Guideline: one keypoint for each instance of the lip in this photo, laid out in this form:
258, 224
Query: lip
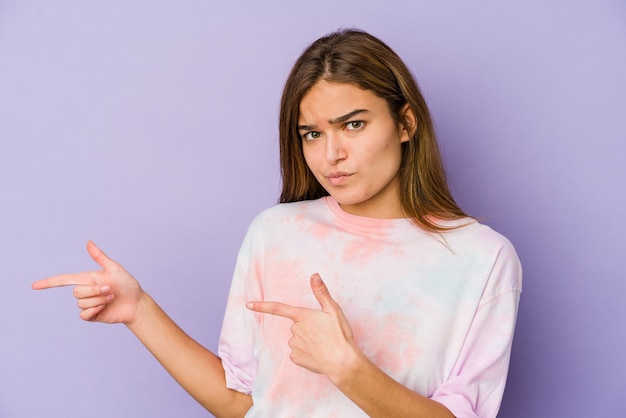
338, 178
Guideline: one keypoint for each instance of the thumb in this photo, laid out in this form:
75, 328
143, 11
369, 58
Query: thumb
321, 293
99, 256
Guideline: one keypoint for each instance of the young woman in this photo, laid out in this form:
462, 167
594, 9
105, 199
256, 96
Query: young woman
416, 310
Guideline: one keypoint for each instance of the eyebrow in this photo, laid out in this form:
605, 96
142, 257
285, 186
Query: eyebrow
336, 121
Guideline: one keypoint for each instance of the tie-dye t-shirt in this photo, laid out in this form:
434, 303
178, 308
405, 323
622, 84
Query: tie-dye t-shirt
434, 311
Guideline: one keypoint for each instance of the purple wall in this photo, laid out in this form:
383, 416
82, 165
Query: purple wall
150, 127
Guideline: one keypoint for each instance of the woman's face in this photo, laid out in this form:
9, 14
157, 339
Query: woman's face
353, 148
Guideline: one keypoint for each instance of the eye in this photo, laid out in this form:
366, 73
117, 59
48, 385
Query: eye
355, 125
311, 136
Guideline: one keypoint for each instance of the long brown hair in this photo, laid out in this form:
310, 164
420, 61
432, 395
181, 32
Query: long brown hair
356, 57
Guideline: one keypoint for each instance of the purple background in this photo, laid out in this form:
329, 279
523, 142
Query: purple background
150, 127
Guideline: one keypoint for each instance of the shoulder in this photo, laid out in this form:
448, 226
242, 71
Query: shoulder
288, 212
481, 243
287, 216
471, 235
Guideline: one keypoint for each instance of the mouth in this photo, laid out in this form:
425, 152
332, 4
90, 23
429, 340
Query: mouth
338, 178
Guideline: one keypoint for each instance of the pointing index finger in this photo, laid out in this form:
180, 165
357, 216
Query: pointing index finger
276, 308
63, 280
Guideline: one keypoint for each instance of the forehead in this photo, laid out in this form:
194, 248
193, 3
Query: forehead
328, 100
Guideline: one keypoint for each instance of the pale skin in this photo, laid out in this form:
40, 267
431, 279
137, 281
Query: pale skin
352, 146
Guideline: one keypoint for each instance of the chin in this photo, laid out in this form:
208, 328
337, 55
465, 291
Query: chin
347, 200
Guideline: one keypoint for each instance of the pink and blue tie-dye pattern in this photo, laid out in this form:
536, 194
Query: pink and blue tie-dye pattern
435, 312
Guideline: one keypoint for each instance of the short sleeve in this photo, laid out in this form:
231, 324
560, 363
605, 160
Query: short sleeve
475, 386
239, 328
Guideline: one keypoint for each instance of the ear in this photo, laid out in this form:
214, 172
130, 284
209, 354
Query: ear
408, 123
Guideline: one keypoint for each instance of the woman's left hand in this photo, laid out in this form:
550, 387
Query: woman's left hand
321, 340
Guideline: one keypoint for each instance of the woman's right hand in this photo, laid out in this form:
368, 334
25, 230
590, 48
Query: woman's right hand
110, 295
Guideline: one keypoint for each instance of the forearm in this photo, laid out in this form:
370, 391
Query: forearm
381, 396
195, 368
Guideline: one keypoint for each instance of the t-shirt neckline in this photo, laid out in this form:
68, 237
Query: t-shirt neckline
364, 222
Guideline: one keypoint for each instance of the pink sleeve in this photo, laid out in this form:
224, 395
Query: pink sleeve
239, 329
475, 386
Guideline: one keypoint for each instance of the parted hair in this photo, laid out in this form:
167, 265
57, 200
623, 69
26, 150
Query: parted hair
358, 58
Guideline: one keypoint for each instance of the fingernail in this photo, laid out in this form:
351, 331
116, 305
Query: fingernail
110, 297
249, 305
105, 288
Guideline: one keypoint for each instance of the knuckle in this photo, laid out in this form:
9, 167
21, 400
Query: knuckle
94, 276
322, 291
274, 309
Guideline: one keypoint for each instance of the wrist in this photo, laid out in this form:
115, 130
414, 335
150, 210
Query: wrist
351, 365
144, 304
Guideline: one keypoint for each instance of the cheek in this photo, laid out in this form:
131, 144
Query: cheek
394, 150
385, 156
309, 158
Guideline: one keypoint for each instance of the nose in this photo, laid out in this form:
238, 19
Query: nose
335, 148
